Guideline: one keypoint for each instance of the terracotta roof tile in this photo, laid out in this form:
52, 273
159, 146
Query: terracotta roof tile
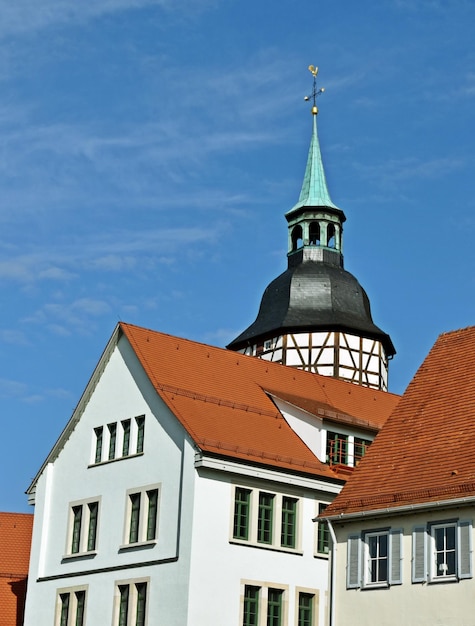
223, 399
15, 541
426, 450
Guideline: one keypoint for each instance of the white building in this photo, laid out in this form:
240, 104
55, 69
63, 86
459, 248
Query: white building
183, 488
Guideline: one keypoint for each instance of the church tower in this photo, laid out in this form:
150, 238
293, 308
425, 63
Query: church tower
316, 316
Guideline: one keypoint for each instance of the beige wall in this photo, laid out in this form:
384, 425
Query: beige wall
407, 604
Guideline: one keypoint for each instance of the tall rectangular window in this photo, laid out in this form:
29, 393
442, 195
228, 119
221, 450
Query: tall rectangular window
92, 531
322, 532
305, 609
131, 609
112, 440
152, 496
142, 516
444, 552
337, 448
71, 607
82, 528
140, 421
265, 517
274, 607
361, 445
377, 557
242, 505
251, 606
77, 523
99, 437
134, 517
126, 437
289, 522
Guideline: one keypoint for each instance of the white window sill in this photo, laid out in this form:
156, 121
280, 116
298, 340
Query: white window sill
265, 546
137, 545
79, 555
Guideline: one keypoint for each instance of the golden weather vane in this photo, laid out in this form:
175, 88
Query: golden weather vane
315, 92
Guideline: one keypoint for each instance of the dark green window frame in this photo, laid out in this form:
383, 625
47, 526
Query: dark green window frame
92, 531
274, 607
251, 605
134, 517
140, 433
337, 448
99, 438
323, 534
265, 517
242, 509
126, 437
76, 534
152, 514
360, 447
64, 616
112, 440
288, 536
305, 610
141, 603
124, 592
80, 606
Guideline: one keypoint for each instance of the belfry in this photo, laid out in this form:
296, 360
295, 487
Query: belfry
315, 315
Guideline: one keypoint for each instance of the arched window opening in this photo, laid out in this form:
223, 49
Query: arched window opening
314, 234
331, 236
297, 238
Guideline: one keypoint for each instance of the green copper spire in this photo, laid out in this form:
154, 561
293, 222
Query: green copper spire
314, 191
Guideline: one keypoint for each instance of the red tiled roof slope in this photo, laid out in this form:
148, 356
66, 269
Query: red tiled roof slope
15, 542
426, 450
220, 398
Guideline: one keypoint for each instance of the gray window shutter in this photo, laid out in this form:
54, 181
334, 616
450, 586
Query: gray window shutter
419, 558
395, 555
353, 562
465, 549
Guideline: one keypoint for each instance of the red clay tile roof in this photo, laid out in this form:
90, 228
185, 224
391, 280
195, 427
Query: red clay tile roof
220, 398
426, 450
15, 541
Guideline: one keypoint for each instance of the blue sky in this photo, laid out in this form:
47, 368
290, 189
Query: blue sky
150, 148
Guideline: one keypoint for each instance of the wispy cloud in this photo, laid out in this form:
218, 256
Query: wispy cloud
394, 171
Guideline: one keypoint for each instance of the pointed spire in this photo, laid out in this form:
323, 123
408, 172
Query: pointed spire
314, 190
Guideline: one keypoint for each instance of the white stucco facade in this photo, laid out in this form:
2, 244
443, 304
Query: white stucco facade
193, 570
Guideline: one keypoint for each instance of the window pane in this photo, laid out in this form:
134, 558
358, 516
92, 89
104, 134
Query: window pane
124, 604
98, 455
323, 532
126, 439
91, 535
274, 607
141, 601
251, 606
77, 518
80, 602
63, 620
112, 440
265, 517
242, 501
337, 448
305, 615
289, 521
134, 517
152, 514
140, 433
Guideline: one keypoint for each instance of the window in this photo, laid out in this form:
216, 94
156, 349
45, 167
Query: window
263, 605
337, 448
242, 503
126, 424
305, 609
322, 532
118, 440
266, 519
112, 440
374, 559
140, 421
83, 524
142, 516
289, 522
99, 437
251, 605
131, 603
442, 551
71, 607
360, 447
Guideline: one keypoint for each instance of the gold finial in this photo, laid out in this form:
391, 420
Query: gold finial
315, 92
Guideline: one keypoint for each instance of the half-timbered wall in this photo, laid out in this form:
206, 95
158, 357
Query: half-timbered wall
331, 353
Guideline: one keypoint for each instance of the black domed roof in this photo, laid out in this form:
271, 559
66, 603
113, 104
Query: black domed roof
312, 296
